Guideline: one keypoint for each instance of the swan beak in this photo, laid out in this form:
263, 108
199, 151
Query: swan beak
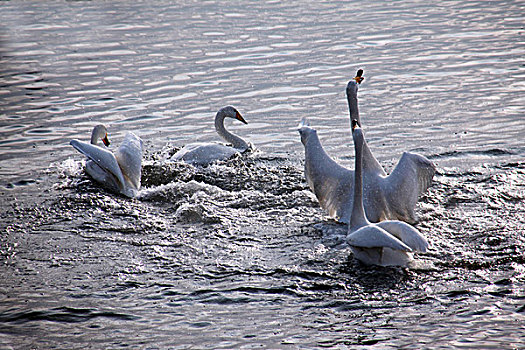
239, 117
359, 76
105, 140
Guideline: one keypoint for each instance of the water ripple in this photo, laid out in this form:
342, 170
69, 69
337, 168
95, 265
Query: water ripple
239, 254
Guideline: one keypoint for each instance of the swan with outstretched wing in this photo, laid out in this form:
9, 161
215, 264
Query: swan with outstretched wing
385, 196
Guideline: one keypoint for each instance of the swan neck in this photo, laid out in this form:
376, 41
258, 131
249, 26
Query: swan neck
229, 137
94, 137
353, 106
358, 218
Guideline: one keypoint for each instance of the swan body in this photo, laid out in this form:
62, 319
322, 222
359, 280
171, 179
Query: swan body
385, 196
119, 171
387, 243
206, 153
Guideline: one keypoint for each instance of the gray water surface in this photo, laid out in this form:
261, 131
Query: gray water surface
239, 254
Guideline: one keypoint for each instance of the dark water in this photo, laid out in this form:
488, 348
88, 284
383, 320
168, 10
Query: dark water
239, 255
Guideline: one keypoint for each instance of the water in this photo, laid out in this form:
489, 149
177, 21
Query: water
239, 254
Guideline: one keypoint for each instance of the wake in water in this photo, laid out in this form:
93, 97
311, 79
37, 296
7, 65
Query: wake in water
255, 189
248, 232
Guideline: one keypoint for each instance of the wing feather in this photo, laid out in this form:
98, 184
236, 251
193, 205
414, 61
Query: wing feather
406, 233
103, 158
129, 158
372, 236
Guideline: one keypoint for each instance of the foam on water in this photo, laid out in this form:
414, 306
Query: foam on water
239, 254
248, 233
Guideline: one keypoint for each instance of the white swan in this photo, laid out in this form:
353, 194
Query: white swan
120, 172
206, 153
385, 197
387, 243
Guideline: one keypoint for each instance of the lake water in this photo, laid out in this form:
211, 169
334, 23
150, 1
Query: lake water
239, 254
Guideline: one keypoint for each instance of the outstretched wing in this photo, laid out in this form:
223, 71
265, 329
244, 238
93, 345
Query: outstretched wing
421, 169
331, 183
303, 123
129, 158
411, 177
103, 158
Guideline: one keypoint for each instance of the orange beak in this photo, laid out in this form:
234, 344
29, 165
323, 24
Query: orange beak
239, 117
359, 76
105, 140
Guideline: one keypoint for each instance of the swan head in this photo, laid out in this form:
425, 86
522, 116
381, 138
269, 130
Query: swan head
351, 95
100, 133
351, 87
359, 76
231, 112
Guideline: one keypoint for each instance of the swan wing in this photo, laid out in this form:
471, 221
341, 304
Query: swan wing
129, 158
370, 163
372, 236
102, 157
414, 171
303, 123
406, 233
410, 178
331, 183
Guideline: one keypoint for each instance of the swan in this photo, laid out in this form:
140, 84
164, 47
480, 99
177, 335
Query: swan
387, 243
391, 196
206, 153
120, 172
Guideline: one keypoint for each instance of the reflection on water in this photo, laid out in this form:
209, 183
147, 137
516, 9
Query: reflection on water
239, 254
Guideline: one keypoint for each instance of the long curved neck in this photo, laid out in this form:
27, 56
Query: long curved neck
235, 140
94, 136
351, 96
358, 218
370, 163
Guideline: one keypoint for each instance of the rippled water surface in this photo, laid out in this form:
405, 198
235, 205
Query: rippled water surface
239, 254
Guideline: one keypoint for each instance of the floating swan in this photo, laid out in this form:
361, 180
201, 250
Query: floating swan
206, 153
385, 197
386, 243
120, 172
